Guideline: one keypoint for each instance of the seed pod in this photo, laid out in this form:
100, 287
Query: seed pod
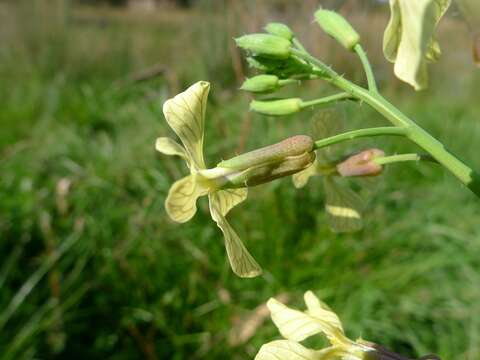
292, 146
269, 46
279, 29
289, 166
277, 107
337, 27
261, 83
361, 164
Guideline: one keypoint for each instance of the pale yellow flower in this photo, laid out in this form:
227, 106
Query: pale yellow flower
185, 114
296, 326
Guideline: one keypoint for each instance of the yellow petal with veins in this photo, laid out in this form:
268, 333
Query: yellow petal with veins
285, 350
300, 179
227, 199
167, 146
242, 263
408, 39
185, 114
181, 202
297, 326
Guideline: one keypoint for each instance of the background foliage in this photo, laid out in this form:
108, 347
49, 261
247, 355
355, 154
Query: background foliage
90, 265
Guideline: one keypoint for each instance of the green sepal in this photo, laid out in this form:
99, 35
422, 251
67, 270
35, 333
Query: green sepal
279, 29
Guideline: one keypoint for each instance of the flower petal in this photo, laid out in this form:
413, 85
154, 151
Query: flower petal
181, 202
168, 146
393, 32
242, 263
227, 199
285, 350
471, 12
344, 207
185, 114
408, 38
300, 179
320, 310
297, 326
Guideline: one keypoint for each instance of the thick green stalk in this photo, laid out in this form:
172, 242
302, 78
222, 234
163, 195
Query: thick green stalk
418, 135
415, 133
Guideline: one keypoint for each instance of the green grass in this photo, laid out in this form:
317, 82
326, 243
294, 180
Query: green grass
101, 272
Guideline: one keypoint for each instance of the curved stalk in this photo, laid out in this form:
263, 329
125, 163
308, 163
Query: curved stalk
355, 134
372, 84
327, 100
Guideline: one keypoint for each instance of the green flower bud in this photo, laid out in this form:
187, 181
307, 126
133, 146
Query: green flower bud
269, 46
261, 83
337, 27
279, 29
277, 107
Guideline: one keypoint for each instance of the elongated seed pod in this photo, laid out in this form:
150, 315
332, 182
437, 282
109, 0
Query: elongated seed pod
287, 167
292, 146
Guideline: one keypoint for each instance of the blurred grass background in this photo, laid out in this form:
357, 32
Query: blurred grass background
91, 266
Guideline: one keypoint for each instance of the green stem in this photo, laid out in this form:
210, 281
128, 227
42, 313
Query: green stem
372, 85
284, 82
298, 44
355, 134
384, 160
415, 133
326, 100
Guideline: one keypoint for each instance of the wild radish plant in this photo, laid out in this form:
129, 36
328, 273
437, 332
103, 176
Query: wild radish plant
282, 60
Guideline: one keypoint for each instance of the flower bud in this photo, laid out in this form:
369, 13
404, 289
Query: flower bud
279, 29
267, 45
277, 107
337, 27
261, 83
292, 146
361, 164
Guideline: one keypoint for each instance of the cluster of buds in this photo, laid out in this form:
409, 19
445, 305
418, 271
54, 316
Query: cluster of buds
273, 53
